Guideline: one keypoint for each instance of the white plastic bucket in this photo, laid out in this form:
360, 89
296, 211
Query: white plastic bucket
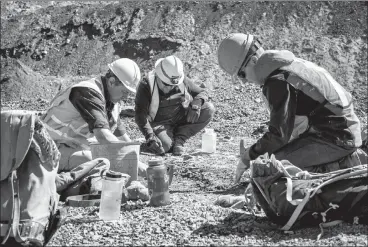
123, 156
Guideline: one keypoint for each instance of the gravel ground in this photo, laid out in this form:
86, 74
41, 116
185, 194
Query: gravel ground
192, 218
48, 45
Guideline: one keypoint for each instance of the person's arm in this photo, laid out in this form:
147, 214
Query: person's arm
121, 132
196, 91
142, 102
282, 101
105, 136
91, 106
125, 137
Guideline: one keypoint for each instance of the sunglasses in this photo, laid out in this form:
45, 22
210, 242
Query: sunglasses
174, 81
241, 72
165, 84
253, 49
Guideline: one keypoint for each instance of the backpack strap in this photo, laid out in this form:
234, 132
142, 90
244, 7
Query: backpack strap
20, 232
296, 212
10, 181
361, 170
13, 226
16, 210
360, 195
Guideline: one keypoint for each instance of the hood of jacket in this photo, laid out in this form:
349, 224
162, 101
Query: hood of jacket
270, 61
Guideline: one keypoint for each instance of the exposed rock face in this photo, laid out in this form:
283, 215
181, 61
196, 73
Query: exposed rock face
48, 45
62, 41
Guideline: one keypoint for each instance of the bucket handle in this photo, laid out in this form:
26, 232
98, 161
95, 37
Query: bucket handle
170, 171
103, 172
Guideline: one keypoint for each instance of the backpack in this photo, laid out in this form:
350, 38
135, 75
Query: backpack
29, 163
294, 198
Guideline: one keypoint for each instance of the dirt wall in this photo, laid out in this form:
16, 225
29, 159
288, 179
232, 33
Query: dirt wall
63, 41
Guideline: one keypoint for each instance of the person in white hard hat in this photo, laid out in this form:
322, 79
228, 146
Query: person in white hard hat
90, 109
170, 108
312, 119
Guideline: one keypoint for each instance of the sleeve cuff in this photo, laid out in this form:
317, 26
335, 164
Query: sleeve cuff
149, 136
199, 100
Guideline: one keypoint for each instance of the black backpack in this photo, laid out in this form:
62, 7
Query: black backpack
294, 198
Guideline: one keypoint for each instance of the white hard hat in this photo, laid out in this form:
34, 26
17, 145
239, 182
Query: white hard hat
232, 52
170, 70
127, 71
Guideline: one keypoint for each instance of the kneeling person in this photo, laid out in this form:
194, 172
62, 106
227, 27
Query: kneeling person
90, 109
312, 119
170, 108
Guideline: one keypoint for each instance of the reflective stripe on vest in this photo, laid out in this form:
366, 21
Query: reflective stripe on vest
72, 142
301, 123
155, 99
64, 122
319, 85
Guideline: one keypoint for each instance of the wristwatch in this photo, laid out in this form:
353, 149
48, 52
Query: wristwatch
195, 107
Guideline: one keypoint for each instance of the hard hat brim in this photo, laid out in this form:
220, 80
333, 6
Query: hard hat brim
233, 51
131, 89
162, 77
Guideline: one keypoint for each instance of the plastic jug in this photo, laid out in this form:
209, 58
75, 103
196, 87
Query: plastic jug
209, 141
112, 189
159, 178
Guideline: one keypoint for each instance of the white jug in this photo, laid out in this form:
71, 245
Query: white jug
112, 189
209, 141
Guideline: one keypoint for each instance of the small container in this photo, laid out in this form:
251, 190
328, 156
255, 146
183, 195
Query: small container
112, 189
209, 141
159, 178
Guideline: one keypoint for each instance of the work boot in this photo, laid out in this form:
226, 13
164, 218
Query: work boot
178, 149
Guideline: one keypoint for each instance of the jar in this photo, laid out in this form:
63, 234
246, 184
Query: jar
112, 188
209, 141
159, 178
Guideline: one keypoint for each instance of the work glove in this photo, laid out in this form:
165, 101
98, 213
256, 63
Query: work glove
154, 145
240, 169
194, 111
243, 163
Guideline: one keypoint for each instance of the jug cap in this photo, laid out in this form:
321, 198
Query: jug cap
207, 130
113, 174
155, 162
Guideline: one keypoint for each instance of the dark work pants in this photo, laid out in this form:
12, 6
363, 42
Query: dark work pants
181, 131
311, 153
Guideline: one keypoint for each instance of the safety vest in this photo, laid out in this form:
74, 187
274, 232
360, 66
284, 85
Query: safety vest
301, 123
318, 84
155, 100
64, 122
